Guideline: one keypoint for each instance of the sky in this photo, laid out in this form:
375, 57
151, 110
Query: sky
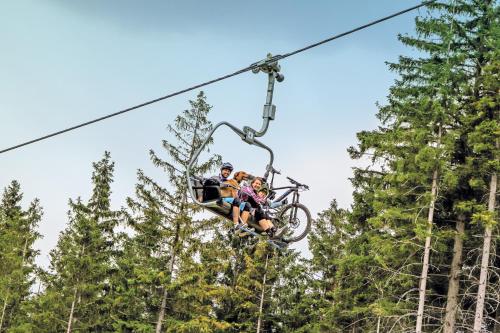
66, 62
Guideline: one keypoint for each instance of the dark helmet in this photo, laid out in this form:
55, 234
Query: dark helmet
264, 188
227, 165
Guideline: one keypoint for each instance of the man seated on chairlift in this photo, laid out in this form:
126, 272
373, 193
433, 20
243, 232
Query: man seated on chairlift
237, 206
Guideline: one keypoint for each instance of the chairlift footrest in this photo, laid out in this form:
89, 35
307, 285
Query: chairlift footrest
276, 243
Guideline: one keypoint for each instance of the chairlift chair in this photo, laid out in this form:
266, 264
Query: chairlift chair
248, 135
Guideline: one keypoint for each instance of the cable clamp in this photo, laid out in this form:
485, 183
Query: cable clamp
269, 66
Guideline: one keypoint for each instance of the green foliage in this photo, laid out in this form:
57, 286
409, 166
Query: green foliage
18, 232
80, 282
161, 260
158, 257
441, 116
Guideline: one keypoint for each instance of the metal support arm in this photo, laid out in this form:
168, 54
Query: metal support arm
271, 67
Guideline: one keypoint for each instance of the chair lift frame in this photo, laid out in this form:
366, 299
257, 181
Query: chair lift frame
248, 135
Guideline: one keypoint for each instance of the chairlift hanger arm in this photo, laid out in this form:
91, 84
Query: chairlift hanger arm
271, 67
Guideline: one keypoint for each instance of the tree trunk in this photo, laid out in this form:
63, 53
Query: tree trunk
454, 282
70, 320
483, 278
496, 328
427, 248
17, 284
25, 248
261, 305
161, 314
427, 251
75, 298
4, 309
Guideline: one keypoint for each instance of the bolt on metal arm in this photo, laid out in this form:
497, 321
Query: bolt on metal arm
271, 67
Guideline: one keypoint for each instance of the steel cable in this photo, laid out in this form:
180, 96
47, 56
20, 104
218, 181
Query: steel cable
238, 72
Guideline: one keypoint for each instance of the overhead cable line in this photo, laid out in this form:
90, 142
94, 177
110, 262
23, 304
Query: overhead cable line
238, 72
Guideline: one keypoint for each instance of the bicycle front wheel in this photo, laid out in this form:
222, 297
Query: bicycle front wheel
296, 219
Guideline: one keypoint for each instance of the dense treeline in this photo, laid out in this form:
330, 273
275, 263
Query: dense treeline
418, 251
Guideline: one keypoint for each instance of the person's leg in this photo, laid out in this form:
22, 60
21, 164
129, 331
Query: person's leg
264, 224
235, 208
236, 215
271, 225
260, 216
245, 211
244, 216
270, 229
273, 231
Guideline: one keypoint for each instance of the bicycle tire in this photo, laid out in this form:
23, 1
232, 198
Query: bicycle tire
282, 215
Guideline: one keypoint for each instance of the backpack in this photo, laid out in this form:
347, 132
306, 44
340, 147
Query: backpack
211, 190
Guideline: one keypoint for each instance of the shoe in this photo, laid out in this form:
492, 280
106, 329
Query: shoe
278, 232
240, 232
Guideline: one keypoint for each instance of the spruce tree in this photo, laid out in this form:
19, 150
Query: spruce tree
477, 42
304, 294
412, 153
485, 140
424, 143
78, 294
18, 232
165, 229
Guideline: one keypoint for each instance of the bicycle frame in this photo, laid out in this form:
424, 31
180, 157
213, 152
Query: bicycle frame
291, 189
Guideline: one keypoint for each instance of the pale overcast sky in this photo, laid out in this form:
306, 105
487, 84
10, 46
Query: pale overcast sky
65, 62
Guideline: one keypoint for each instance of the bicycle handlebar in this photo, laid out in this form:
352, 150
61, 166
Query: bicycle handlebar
297, 183
293, 181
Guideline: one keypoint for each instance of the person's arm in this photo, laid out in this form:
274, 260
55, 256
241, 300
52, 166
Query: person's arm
247, 194
276, 204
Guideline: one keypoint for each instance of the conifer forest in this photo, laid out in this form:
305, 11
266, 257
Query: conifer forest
417, 251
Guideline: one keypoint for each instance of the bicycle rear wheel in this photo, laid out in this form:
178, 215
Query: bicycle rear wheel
296, 218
